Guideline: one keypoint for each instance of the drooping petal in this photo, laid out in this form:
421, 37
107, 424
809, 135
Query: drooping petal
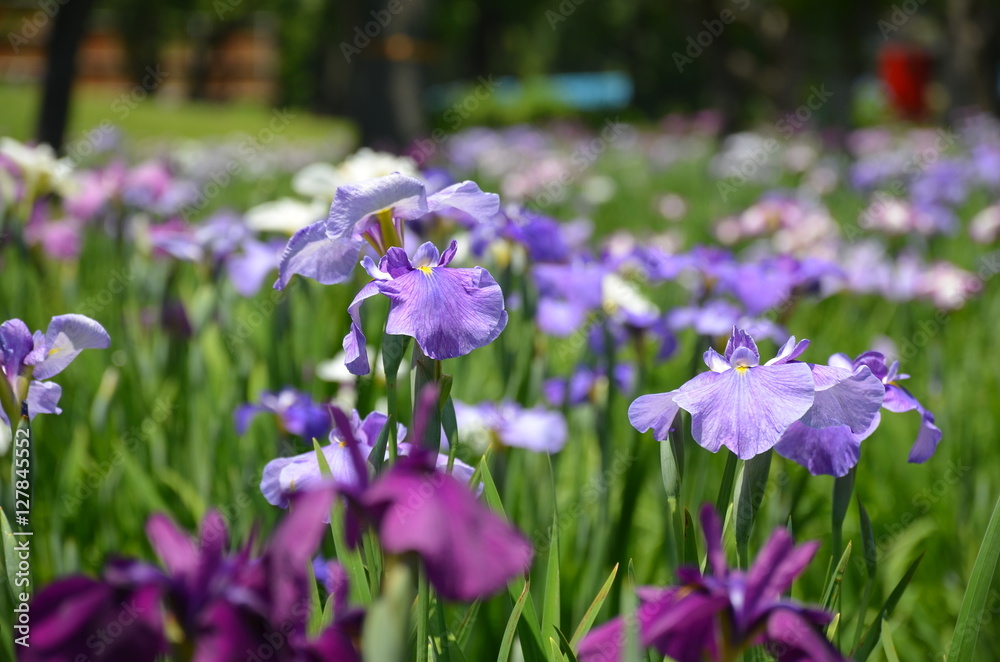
844, 398
927, 441
604, 643
66, 337
468, 551
746, 410
830, 451
793, 638
656, 411
313, 253
450, 312
355, 344
899, 400
43, 398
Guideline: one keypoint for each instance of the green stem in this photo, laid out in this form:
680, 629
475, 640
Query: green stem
423, 614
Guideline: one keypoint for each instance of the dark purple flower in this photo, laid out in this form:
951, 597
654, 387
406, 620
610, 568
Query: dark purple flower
295, 410
28, 359
713, 617
373, 211
467, 550
449, 312
219, 606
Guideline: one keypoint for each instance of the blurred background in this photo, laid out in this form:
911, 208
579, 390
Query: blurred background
397, 69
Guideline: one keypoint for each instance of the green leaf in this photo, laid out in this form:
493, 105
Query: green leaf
315, 608
377, 457
672, 458
565, 646
590, 615
871, 638
511, 629
386, 634
531, 645
970, 616
843, 488
888, 647
449, 421
726, 487
690, 547
833, 586
871, 565
752, 488
550, 603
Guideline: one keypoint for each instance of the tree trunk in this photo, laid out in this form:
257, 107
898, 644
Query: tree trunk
60, 69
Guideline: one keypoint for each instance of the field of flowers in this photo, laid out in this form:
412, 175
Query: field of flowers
535, 393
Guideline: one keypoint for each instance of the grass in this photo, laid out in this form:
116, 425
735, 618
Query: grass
140, 117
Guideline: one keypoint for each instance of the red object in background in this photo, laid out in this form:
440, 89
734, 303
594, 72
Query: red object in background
905, 70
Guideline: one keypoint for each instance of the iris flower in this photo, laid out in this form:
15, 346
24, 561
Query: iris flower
285, 475
210, 604
449, 312
834, 449
507, 423
28, 359
373, 212
748, 407
467, 550
718, 616
296, 412
738, 403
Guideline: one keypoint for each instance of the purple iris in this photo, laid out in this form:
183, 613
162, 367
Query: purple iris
507, 423
834, 449
714, 617
586, 383
215, 605
749, 407
449, 312
373, 211
285, 475
28, 359
295, 410
467, 550
567, 293
738, 403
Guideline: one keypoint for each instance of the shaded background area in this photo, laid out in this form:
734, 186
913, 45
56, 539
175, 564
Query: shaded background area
397, 67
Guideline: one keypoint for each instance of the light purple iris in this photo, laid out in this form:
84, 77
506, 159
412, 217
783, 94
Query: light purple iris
449, 312
739, 403
834, 449
708, 617
535, 429
372, 211
285, 475
29, 359
295, 410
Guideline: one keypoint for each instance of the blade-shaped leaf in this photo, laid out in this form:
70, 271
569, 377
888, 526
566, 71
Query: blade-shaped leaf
970, 616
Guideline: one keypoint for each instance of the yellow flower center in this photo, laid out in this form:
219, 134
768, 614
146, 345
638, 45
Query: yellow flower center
426, 270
